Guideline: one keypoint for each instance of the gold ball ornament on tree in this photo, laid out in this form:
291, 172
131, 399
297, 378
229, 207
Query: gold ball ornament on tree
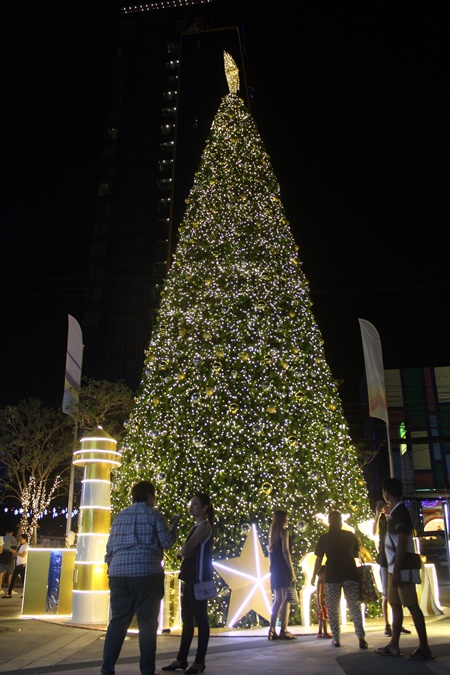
266, 488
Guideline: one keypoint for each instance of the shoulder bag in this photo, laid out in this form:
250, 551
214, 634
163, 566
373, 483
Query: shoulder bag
412, 564
411, 567
203, 590
368, 591
290, 594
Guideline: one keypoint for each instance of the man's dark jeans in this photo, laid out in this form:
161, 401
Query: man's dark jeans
129, 596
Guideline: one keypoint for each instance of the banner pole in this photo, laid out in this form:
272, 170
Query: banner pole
71, 487
391, 461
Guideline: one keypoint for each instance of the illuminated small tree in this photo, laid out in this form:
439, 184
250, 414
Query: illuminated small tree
237, 399
35, 446
35, 501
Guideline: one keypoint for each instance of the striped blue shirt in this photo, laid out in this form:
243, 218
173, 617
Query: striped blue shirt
137, 539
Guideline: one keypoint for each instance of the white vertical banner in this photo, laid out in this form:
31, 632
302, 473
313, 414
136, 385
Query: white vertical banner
74, 360
373, 359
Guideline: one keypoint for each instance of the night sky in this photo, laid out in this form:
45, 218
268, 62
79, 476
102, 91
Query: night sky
349, 101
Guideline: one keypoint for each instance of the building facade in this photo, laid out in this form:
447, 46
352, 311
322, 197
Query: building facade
418, 402
167, 80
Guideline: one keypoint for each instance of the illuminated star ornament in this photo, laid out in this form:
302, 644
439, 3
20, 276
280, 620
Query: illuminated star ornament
231, 73
248, 577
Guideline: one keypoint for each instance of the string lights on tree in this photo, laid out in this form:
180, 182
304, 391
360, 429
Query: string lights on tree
237, 399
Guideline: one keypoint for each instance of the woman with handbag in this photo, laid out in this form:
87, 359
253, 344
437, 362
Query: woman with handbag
200, 508
282, 575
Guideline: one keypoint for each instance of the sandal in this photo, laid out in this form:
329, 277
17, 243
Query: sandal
196, 668
272, 635
286, 635
175, 665
385, 651
420, 655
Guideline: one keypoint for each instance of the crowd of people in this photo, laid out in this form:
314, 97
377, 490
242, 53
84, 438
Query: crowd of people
134, 555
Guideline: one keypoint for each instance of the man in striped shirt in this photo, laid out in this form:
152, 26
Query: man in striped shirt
134, 553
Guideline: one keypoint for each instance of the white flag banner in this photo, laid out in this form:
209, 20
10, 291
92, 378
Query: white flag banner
373, 360
74, 361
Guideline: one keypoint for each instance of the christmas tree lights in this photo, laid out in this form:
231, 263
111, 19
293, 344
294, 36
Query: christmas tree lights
237, 399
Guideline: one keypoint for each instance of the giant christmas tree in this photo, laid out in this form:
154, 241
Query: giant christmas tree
237, 399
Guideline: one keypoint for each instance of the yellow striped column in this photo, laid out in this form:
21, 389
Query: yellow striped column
90, 595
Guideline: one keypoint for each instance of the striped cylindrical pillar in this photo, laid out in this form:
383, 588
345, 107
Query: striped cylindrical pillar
90, 595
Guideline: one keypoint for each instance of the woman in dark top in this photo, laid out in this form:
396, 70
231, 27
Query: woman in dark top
191, 609
341, 548
281, 574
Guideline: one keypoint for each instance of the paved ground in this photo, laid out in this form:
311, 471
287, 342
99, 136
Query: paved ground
35, 647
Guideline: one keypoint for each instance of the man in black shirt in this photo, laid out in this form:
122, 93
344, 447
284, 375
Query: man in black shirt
380, 528
401, 594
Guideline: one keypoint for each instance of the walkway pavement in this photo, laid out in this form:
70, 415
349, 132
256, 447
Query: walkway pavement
37, 646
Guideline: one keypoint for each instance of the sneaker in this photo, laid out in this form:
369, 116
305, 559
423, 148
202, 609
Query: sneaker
335, 643
405, 631
388, 630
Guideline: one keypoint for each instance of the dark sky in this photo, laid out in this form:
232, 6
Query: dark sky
349, 100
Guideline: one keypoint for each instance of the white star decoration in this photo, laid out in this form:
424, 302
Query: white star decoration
248, 577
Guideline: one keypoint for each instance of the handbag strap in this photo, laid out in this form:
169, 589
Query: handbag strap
200, 564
